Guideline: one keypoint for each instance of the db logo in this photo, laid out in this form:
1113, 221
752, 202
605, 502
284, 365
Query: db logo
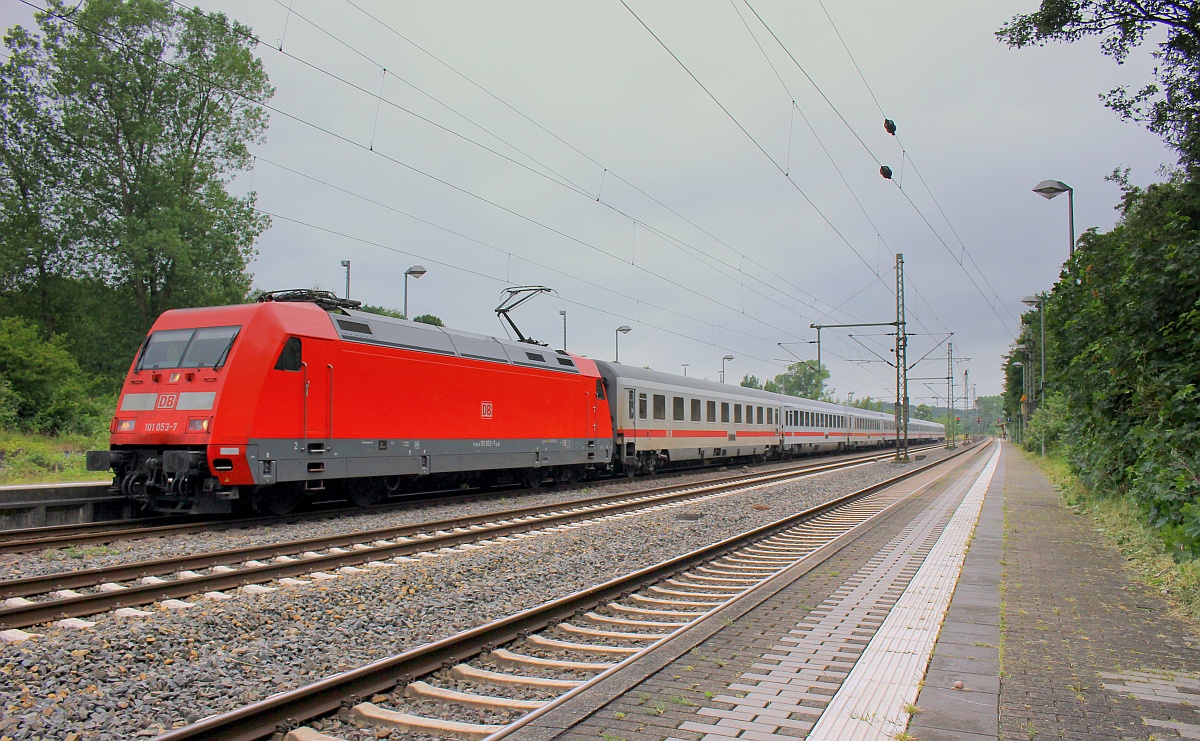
485, 410
167, 401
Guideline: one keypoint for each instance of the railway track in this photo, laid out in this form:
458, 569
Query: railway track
26, 540
475, 684
128, 586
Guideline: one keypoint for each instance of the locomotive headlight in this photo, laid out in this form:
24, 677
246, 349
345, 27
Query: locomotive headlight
124, 425
199, 424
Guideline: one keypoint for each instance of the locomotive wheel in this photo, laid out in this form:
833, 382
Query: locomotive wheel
571, 475
362, 492
277, 500
534, 477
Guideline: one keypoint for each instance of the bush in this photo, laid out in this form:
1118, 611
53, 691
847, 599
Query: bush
27, 459
42, 388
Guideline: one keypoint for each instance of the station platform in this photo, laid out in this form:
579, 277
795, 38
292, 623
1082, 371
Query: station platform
982, 608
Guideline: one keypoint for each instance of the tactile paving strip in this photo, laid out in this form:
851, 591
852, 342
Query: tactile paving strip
814, 661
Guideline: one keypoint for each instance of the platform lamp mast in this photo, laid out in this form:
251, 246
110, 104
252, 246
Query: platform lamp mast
950, 396
901, 366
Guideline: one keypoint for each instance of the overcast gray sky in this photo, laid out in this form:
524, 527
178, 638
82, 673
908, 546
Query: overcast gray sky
561, 144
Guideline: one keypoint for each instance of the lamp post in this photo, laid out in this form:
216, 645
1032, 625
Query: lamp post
1051, 188
563, 314
685, 366
415, 271
1021, 409
623, 329
723, 360
346, 265
1040, 391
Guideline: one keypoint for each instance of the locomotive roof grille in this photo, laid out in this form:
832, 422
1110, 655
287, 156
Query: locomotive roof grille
378, 329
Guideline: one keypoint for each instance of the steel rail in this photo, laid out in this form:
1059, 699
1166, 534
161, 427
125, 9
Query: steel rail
23, 540
519, 520
283, 711
89, 577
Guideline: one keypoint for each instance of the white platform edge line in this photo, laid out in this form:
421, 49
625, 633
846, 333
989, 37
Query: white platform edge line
870, 704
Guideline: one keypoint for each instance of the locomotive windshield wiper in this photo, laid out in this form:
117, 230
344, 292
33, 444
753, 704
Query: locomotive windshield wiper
225, 352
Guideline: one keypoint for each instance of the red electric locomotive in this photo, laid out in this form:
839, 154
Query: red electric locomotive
263, 403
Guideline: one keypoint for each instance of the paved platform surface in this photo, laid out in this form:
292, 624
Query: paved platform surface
1048, 636
1089, 652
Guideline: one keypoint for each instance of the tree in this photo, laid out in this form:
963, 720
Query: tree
805, 379
751, 382
1169, 107
41, 386
429, 319
382, 311
122, 122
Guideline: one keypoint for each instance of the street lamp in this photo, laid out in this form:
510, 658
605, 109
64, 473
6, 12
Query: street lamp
1041, 391
563, 314
623, 329
1051, 188
1021, 409
346, 265
727, 357
685, 365
415, 271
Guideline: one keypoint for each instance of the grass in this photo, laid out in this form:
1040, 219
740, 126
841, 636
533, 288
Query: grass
1123, 524
39, 459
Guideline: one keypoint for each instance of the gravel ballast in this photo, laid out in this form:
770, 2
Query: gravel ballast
130, 677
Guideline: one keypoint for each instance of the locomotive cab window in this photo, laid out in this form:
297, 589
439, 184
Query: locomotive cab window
600, 389
206, 347
289, 356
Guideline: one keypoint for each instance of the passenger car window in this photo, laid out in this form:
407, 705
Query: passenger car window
632, 413
758, 415
660, 406
737, 413
641, 406
677, 408
724, 411
289, 357
695, 410
712, 411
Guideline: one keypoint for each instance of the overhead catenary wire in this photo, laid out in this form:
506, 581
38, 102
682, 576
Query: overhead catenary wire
442, 181
558, 179
347, 140
921, 178
500, 250
757, 145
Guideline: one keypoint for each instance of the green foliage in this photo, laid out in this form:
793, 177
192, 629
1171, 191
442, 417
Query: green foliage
805, 379
382, 311
1123, 360
43, 389
1170, 106
30, 458
751, 382
120, 123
